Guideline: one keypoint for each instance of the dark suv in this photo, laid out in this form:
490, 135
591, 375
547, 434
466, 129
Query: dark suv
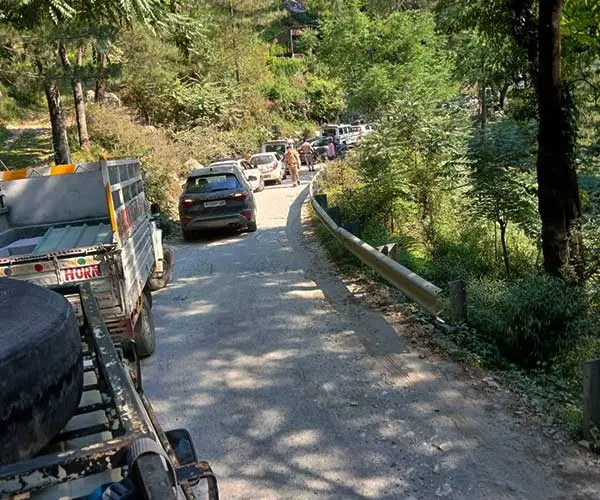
216, 197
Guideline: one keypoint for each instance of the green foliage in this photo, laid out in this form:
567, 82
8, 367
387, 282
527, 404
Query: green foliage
163, 159
326, 99
531, 320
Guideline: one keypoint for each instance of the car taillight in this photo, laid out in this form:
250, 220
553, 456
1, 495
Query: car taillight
274, 165
241, 196
247, 214
187, 202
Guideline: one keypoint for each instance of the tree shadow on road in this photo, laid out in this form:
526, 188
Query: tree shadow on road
292, 389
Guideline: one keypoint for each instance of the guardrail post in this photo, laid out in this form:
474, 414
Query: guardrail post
335, 213
591, 398
321, 199
458, 300
390, 250
353, 227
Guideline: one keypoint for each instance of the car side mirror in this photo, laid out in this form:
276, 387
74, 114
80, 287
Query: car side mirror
183, 446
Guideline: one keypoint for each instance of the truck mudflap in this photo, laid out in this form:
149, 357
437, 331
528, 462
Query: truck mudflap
122, 415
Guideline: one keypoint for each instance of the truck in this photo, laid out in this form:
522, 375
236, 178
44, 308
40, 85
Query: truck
112, 439
88, 222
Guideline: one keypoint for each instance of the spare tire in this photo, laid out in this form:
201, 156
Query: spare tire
41, 368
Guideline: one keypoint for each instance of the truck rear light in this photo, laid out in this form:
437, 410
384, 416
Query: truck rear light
241, 196
187, 202
247, 214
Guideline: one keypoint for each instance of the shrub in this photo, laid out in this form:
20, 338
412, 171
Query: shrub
531, 320
162, 158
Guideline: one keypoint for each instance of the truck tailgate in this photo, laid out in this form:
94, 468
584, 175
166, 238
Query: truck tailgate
98, 270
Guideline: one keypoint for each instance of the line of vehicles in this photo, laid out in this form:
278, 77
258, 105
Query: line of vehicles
221, 195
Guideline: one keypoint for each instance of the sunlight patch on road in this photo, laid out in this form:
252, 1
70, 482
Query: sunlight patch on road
266, 423
243, 379
301, 439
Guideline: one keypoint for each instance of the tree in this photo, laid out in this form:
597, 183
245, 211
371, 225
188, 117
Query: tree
559, 203
43, 23
502, 179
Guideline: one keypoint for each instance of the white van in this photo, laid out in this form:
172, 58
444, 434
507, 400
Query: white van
341, 133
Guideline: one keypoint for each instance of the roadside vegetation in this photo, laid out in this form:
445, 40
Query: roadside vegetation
484, 166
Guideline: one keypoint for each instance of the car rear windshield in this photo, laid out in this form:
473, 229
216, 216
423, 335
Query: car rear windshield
275, 148
211, 183
262, 160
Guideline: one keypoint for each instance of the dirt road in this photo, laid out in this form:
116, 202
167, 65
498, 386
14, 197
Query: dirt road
292, 390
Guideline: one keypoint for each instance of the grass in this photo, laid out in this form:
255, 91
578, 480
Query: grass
22, 148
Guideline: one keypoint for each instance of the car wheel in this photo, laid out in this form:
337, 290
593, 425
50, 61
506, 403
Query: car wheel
144, 333
252, 227
41, 368
167, 276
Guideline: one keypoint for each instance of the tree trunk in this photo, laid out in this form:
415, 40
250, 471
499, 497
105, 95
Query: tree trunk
60, 142
483, 111
78, 98
559, 203
502, 95
101, 80
505, 256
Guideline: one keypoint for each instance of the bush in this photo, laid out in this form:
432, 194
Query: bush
162, 158
531, 320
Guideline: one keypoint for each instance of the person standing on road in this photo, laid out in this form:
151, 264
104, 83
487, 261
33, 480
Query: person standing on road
330, 149
292, 162
309, 154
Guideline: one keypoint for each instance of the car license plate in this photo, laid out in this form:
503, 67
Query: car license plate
209, 204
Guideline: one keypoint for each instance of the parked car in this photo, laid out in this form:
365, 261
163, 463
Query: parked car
363, 129
270, 165
251, 173
277, 146
216, 197
342, 134
320, 146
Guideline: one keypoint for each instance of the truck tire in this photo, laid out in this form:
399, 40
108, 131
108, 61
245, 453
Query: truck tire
168, 264
144, 334
41, 368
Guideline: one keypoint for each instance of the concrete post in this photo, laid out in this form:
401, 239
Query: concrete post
321, 199
353, 227
591, 397
335, 213
458, 300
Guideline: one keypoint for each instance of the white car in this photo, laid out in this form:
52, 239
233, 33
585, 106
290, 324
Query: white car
363, 129
270, 165
251, 173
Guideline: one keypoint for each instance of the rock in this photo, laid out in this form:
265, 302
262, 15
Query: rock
491, 383
584, 443
353, 403
444, 491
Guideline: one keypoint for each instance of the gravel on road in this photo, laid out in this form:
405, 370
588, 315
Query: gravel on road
293, 390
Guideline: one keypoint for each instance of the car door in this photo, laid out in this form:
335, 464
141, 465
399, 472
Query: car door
252, 175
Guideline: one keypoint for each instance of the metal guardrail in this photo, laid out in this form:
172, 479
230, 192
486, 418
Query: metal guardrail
411, 284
